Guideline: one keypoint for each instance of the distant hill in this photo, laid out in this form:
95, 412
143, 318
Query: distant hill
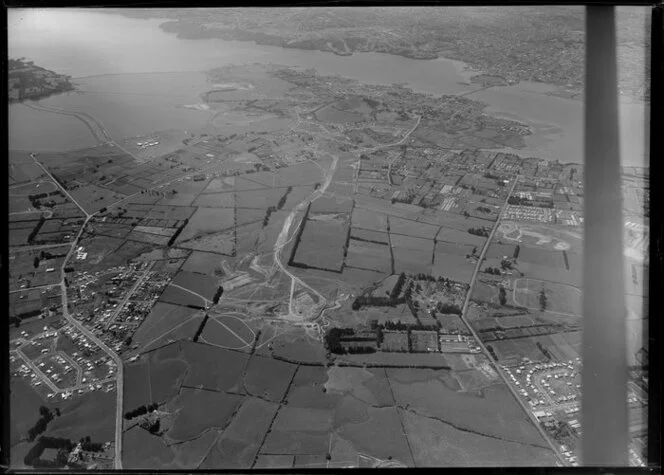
542, 44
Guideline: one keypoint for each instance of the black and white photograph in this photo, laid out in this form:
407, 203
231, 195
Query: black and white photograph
326, 237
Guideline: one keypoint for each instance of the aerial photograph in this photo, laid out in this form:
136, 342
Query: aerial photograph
310, 237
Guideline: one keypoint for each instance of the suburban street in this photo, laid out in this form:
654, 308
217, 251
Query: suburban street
79, 326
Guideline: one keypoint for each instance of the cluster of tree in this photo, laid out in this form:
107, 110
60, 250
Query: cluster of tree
479, 231
371, 301
35, 200
506, 264
36, 229
391, 301
544, 351
64, 446
396, 290
139, 411
542, 300
89, 446
400, 326
492, 352
492, 270
280, 204
41, 424
153, 427
217, 295
333, 339
516, 200
360, 349
408, 199
448, 308
502, 295
491, 176
517, 249
483, 209
177, 232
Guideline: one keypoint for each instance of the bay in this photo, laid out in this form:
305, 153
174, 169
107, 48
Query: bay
111, 55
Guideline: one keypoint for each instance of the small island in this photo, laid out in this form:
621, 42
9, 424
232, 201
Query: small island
27, 81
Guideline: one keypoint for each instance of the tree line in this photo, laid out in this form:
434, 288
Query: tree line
42, 422
484, 232
177, 232
36, 229
139, 411
280, 204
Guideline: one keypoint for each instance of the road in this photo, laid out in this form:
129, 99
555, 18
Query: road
87, 215
138, 282
65, 312
37, 371
205, 300
282, 239
498, 369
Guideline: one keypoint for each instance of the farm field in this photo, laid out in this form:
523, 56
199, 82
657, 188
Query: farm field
438, 444
206, 221
238, 445
268, 378
493, 412
142, 450
163, 318
25, 403
516, 349
227, 332
409, 227
322, 245
199, 410
203, 263
369, 236
81, 417
219, 243
453, 266
201, 284
179, 296
560, 298
363, 218
215, 200
411, 254
205, 371
366, 255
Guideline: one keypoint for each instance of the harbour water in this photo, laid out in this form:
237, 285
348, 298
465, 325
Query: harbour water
111, 55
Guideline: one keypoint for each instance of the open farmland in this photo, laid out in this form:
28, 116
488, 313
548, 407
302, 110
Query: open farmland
163, 318
200, 284
238, 445
411, 254
194, 414
364, 218
205, 371
436, 443
207, 221
203, 263
560, 298
268, 378
366, 255
181, 296
227, 332
321, 245
494, 412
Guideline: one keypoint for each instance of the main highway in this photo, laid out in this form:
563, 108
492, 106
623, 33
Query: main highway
497, 368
